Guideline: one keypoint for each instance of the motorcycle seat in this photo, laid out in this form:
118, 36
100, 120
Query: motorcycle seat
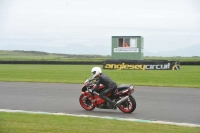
123, 87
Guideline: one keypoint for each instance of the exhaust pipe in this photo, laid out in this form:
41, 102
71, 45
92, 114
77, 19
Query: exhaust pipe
122, 100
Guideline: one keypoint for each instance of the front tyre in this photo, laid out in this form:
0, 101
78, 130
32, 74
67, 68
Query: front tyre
129, 106
86, 103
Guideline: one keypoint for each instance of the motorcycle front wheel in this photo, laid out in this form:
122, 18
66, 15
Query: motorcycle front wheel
129, 106
86, 103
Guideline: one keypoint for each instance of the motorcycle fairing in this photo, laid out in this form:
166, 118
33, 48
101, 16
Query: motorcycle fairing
84, 88
124, 89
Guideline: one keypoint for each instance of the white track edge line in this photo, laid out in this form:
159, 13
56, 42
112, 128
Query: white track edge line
103, 117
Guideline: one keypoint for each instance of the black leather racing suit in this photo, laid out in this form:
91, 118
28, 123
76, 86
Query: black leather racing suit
109, 84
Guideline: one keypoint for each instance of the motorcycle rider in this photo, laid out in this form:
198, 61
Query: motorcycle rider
108, 83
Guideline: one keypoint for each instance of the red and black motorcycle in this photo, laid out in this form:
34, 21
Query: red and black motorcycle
122, 96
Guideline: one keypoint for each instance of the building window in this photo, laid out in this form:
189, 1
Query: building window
120, 42
133, 42
127, 42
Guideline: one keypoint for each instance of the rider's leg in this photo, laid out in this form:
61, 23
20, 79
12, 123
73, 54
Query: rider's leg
104, 96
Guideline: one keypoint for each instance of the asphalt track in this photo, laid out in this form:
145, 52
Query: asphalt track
180, 105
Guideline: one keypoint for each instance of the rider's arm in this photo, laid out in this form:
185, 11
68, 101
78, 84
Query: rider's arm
97, 84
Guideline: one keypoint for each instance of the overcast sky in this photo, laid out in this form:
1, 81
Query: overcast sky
54, 25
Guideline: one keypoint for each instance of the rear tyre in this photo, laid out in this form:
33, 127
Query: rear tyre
129, 106
86, 103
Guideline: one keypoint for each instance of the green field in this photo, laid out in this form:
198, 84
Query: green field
43, 56
6, 55
36, 123
188, 76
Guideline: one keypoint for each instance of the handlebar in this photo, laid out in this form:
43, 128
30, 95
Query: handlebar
94, 92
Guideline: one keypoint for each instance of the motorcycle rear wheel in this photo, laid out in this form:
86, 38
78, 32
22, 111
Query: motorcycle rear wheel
86, 103
129, 106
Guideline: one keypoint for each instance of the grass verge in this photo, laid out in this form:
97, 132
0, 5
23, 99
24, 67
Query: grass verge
188, 76
36, 123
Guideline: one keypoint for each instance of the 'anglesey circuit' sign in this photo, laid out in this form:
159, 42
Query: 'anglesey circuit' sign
171, 65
